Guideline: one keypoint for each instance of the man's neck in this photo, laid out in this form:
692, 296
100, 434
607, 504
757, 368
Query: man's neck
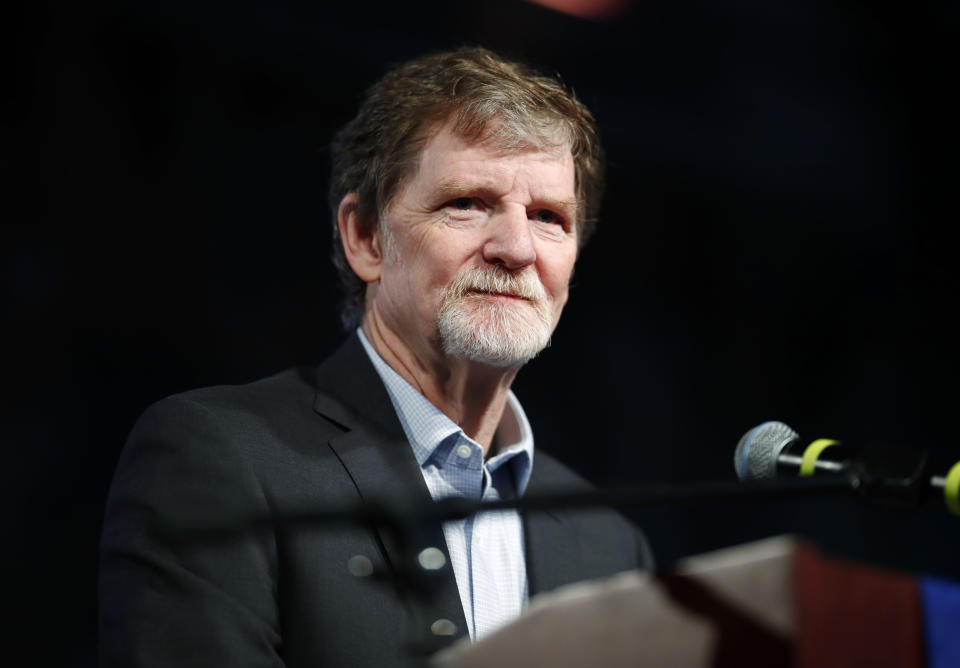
471, 394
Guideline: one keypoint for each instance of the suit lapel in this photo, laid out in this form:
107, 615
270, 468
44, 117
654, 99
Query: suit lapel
553, 552
376, 455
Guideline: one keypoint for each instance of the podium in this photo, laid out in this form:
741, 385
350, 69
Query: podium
777, 602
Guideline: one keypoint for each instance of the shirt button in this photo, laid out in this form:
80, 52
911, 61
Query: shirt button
360, 566
443, 627
431, 559
463, 451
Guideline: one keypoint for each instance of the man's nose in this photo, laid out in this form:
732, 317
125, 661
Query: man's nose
510, 241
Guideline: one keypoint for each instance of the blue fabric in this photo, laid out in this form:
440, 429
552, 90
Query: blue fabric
941, 613
486, 550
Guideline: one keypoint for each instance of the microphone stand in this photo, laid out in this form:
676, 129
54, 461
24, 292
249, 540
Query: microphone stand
373, 513
417, 579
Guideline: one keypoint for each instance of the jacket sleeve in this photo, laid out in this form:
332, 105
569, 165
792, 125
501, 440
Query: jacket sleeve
167, 601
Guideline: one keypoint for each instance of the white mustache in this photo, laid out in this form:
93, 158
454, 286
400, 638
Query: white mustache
524, 285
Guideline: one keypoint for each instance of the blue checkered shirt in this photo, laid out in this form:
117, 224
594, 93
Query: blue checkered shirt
486, 550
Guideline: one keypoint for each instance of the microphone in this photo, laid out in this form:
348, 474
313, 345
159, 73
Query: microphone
894, 475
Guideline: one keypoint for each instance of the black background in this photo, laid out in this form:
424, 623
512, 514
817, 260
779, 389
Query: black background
775, 243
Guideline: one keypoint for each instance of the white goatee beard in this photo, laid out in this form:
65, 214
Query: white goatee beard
479, 328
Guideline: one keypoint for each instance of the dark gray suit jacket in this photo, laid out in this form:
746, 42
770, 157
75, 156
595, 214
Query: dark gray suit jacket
306, 438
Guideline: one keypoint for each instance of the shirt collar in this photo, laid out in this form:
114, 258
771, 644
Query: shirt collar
427, 428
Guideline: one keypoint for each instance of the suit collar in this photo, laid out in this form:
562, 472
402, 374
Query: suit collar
350, 392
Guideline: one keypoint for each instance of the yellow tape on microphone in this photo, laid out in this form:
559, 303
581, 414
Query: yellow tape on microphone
810, 456
951, 489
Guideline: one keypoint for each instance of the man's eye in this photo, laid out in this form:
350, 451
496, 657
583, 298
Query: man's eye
462, 203
546, 216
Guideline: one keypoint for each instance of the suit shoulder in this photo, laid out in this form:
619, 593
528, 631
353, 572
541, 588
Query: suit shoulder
258, 418
222, 413
285, 397
552, 474
280, 388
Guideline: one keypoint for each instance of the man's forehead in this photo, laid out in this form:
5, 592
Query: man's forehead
499, 138
449, 160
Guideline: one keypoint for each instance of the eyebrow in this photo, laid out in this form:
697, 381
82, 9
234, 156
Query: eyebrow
454, 187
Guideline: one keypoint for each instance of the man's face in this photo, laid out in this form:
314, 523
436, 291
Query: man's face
481, 244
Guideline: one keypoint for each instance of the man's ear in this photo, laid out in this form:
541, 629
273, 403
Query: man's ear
360, 239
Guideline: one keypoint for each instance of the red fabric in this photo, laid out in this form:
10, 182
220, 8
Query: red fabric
855, 615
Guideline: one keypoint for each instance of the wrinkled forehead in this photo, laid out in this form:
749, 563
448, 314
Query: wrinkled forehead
505, 133
499, 138
450, 157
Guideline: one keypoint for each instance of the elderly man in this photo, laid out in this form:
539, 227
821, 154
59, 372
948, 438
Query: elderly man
461, 194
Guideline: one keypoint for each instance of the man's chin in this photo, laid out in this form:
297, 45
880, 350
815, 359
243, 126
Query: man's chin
500, 337
498, 356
